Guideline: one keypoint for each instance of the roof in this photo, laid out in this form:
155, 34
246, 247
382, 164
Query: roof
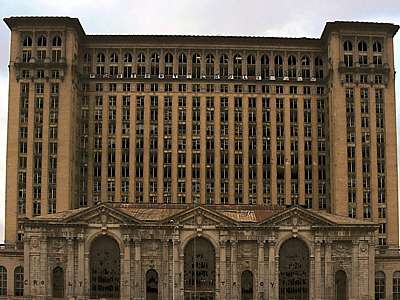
241, 214
215, 40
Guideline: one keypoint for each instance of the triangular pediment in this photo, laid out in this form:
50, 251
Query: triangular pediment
101, 214
296, 216
200, 216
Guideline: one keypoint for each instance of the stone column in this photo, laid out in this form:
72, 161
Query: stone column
181, 266
126, 269
234, 280
70, 267
312, 273
27, 274
222, 266
83, 265
43, 282
261, 270
138, 271
317, 274
328, 271
175, 269
164, 266
354, 291
272, 277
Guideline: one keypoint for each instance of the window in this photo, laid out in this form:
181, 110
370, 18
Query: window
182, 64
292, 67
278, 66
379, 285
362, 53
3, 281
27, 42
56, 41
223, 65
169, 59
377, 53
396, 285
347, 46
19, 281
209, 65
251, 65
237, 66
265, 67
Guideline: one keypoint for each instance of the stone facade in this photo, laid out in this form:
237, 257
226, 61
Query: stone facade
176, 167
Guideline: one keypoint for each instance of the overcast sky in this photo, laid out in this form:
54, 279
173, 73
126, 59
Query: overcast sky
211, 17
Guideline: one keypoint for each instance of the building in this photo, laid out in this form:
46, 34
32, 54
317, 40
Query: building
200, 167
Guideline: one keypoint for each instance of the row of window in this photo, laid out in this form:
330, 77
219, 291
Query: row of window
291, 67
380, 286
18, 281
41, 41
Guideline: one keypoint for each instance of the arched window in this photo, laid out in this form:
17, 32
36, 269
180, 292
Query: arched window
58, 282
182, 64
278, 66
19, 281
27, 41
265, 67
101, 58
319, 69
57, 41
377, 53
105, 268
141, 66
87, 58
155, 64
210, 65
362, 53
292, 62
396, 285
305, 67
169, 60
196, 60
347, 46
237, 66
247, 285
223, 65
42, 41
380, 285
128, 57
251, 65
113, 57
3, 281
341, 285
348, 56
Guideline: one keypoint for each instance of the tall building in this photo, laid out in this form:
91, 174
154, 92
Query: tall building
200, 167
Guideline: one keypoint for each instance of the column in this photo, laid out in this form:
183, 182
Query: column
165, 277
354, 272
83, 260
70, 267
126, 269
181, 266
261, 269
27, 274
317, 263
222, 270
273, 280
175, 269
138, 270
43, 282
234, 280
328, 271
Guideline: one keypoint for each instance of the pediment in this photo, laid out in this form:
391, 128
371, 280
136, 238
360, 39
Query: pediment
101, 214
296, 217
200, 216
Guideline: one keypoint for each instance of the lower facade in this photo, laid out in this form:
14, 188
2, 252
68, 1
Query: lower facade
198, 253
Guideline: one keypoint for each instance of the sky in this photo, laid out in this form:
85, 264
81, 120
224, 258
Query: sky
207, 17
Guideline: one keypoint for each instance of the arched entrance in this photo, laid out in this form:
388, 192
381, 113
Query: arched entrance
341, 285
58, 282
294, 268
247, 285
199, 270
105, 268
152, 285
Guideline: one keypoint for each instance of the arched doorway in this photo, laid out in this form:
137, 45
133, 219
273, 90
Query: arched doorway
341, 285
58, 282
105, 268
199, 270
247, 285
294, 268
151, 285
